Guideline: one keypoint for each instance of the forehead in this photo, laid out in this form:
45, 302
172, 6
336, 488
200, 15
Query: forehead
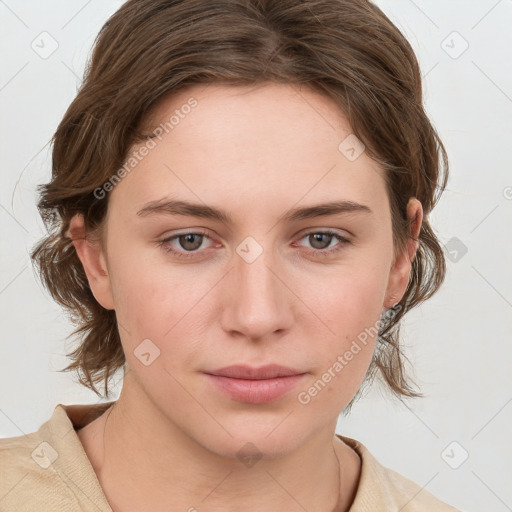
235, 144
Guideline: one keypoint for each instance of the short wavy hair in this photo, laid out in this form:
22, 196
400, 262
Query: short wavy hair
347, 50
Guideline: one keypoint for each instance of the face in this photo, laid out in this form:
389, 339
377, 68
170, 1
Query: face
257, 273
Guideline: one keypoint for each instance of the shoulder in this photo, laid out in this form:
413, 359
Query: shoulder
27, 478
48, 470
381, 488
15, 457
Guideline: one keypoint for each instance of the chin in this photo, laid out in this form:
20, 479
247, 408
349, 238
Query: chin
248, 450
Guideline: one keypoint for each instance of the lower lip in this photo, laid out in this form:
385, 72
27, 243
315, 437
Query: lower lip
256, 391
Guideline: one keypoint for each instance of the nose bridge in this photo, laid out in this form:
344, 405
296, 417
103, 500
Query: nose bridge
259, 304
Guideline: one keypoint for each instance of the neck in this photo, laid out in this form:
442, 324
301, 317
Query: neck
154, 465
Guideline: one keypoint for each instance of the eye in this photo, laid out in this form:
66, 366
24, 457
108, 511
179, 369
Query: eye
185, 245
188, 244
321, 242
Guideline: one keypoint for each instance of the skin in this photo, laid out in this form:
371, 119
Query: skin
171, 440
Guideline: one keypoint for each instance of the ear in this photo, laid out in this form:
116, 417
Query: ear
93, 260
401, 269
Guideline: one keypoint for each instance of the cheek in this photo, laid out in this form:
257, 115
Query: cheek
350, 305
349, 299
152, 295
165, 304
340, 366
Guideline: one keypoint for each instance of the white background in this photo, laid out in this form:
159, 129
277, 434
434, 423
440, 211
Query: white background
459, 342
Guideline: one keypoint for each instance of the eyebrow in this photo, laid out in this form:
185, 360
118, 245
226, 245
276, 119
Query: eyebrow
186, 208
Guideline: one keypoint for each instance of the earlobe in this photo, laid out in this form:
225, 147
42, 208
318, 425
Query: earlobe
93, 261
401, 269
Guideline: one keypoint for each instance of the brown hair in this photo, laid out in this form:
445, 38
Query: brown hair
347, 50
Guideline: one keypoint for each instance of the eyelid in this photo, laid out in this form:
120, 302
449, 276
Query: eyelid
329, 231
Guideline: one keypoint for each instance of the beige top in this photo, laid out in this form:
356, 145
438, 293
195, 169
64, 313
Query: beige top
48, 471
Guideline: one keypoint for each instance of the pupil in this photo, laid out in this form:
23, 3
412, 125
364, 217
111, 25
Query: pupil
317, 237
189, 239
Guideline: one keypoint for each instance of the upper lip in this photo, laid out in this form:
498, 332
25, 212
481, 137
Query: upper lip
270, 371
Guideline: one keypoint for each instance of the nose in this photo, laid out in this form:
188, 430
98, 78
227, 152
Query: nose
257, 298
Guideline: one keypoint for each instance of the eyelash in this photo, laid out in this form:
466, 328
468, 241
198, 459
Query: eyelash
165, 244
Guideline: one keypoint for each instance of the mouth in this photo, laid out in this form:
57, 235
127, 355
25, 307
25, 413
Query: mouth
255, 385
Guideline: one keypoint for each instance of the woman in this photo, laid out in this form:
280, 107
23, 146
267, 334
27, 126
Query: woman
238, 219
